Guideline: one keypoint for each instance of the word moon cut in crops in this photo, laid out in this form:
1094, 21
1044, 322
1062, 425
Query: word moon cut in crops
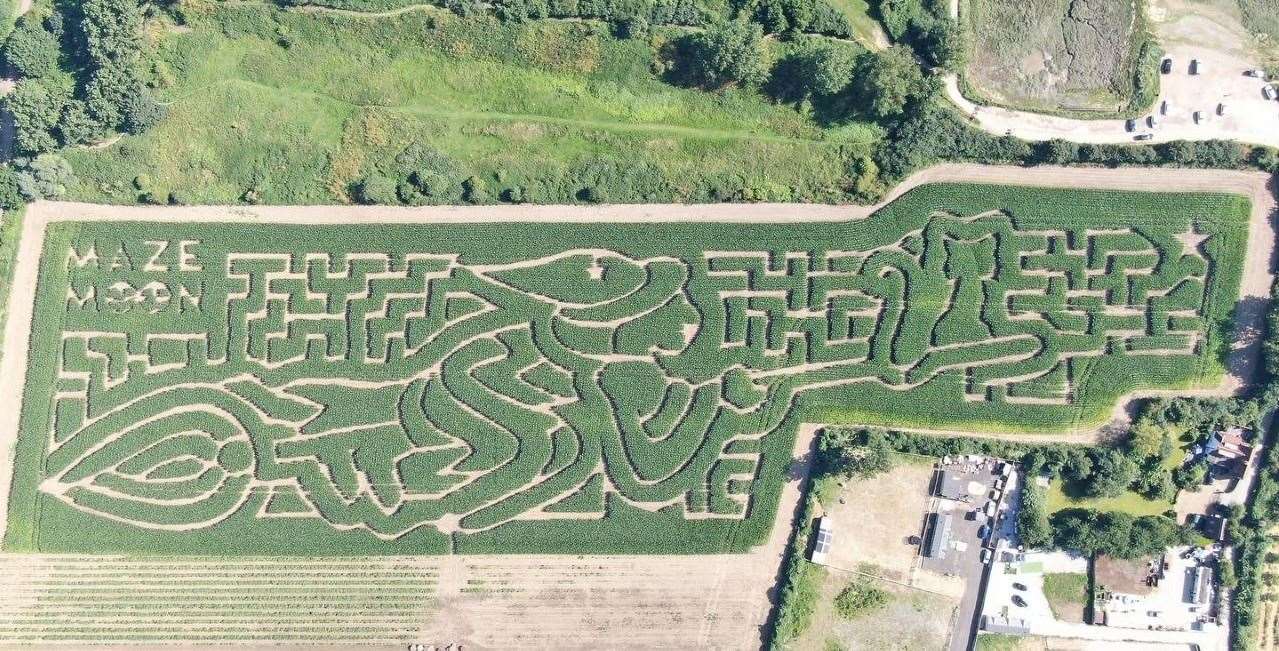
223, 388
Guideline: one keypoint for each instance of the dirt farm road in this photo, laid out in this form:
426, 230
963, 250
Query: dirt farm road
535, 601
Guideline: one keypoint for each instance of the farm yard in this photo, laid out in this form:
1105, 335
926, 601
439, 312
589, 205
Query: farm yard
1059, 56
590, 384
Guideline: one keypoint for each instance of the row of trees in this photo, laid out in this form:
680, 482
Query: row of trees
81, 73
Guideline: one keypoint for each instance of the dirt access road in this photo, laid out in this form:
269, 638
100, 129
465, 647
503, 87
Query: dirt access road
1209, 32
719, 601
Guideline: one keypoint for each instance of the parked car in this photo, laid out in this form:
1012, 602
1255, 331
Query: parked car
1143, 136
983, 532
1200, 117
987, 556
1152, 121
1018, 601
1166, 67
1163, 107
1221, 109
1019, 586
1255, 73
1195, 68
1268, 91
1130, 125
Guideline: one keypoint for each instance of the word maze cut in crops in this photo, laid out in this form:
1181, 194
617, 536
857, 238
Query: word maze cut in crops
224, 388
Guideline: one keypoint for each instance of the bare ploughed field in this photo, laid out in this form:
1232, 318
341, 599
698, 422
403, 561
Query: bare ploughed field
482, 602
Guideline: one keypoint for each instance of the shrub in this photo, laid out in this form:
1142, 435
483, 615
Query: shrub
860, 597
45, 177
1032, 521
377, 189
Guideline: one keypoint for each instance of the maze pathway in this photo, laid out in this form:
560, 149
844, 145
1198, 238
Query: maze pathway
310, 389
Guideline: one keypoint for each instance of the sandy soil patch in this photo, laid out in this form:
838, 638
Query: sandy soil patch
873, 517
912, 619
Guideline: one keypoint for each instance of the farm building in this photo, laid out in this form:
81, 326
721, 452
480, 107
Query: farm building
939, 535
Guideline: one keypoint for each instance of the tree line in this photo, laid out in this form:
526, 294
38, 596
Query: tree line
81, 79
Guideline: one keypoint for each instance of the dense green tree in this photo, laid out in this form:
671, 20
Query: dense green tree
730, 53
845, 452
11, 197
77, 126
1113, 472
898, 15
889, 80
942, 43
36, 106
140, 111
112, 30
829, 66
31, 50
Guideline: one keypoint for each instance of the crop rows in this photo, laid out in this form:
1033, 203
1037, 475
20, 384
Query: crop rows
48, 599
235, 389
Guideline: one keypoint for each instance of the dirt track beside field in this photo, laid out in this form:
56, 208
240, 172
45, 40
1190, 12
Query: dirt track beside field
570, 602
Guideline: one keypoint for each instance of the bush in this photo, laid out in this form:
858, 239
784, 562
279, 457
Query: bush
859, 598
376, 189
45, 177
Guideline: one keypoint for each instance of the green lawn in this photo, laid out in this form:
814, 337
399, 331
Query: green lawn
1129, 502
1067, 594
866, 30
286, 107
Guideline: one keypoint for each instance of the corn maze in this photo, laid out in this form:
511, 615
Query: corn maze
223, 388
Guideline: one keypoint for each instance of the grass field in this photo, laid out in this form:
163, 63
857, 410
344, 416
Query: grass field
1067, 594
284, 107
910, 618
585, 388
1059, 56
1128, 502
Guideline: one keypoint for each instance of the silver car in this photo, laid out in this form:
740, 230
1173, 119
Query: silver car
1268, 91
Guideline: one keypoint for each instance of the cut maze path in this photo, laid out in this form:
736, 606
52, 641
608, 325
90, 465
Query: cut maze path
485, 601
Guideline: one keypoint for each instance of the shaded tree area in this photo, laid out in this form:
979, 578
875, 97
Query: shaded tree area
82, 75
